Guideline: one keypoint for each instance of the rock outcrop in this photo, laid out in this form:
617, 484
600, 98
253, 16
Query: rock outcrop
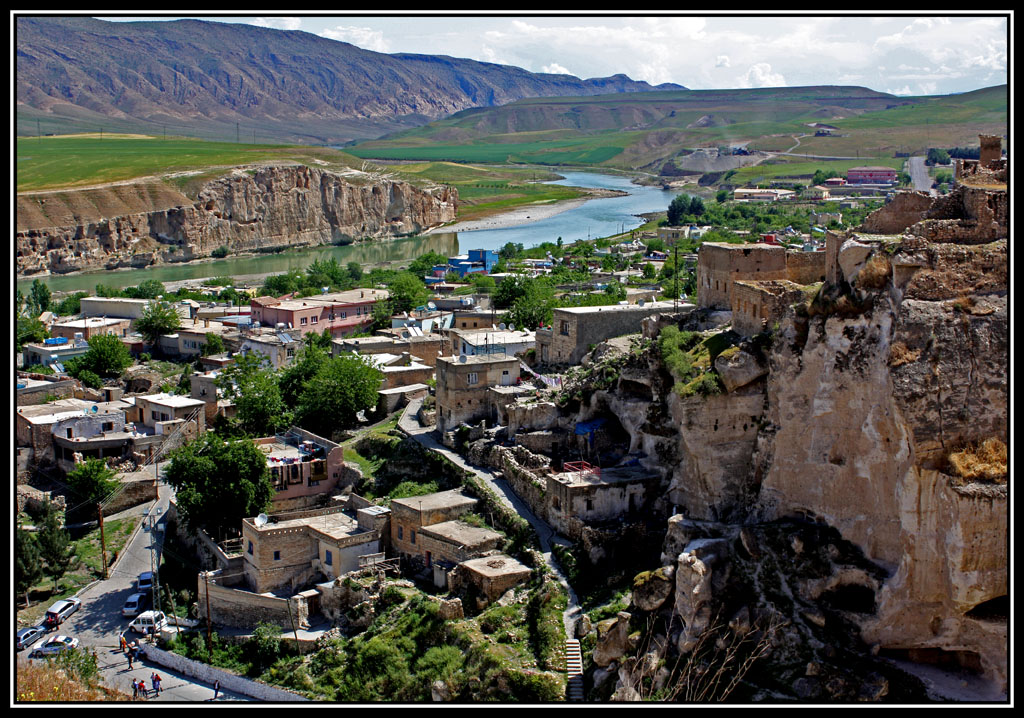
251, 210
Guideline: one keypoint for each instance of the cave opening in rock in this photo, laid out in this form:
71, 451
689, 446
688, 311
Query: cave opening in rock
968, 661
995, 609
850, 597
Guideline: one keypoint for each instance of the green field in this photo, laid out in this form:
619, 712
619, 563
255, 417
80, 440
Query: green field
80, 160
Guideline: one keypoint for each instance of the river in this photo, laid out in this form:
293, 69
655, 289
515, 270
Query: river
594, 218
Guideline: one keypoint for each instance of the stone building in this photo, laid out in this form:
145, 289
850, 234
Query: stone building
507, 342
159, 413
409, 517
463, 385
455, 542
292, 549
583, 494
575, 330
88, 327
720, 265
756, 306
425, 348
491, 576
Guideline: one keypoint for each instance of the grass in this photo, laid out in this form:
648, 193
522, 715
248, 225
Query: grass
89, 568
986, 462
79, 160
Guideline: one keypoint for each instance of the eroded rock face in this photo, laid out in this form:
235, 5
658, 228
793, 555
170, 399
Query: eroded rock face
612, 639
247, 211
738, 368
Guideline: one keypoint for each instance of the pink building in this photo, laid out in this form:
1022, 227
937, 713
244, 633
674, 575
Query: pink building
341, 313
301, 465
871, 175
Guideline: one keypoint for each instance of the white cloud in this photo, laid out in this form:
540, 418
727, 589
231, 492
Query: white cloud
555, 69
279, 23
761, 75
363, 37
722, 61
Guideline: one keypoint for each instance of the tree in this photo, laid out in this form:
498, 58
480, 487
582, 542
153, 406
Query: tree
260, 410
54, 544
406, 292
40, 295
677, 209
149, 289
71, 305
511, 289
219, 483
29, 331
294, 377
107, 356
92, 482
340, 389
649, 271
214, 345
355, 271
28, 563
721, 196
157, 319
245, 365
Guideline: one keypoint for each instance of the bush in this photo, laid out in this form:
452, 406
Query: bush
221, 252
90, 379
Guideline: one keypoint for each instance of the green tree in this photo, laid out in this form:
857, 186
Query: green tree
510, 250
107, 356
721, 196
340, 389
511, 290
41, 296
28, 563
29, 331
260, 409
355, 271
677, 209
92, 482
649, 271
214, 345
157, 319
294, 377
219, 483
244, 366
149, 289
54, 544
406, 292
71, 305
425, 262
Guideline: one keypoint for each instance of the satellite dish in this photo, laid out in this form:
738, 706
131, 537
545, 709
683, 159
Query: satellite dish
511, 327
261, 520
502, 326
93, 409
462, 358
641, 302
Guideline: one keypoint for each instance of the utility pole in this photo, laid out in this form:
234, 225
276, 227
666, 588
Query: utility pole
154, 562
675, 276
103, 541
209, 639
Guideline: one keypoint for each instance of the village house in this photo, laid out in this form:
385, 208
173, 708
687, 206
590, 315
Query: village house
339, 313
204, 387
719, 265
871, 175
53, 352
286, 551
89, 327
490, 577
575, 330
817, 192
121, 307
425, 349
584, 494
507, 342
277, 347
161, 413
746, 194
463, 387
35, 425
757, 305
191, 339
410, 517
303, 467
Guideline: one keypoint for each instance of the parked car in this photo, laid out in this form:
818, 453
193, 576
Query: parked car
145, 582
135, 605
25, 637
55, 645
59, 612
148, 622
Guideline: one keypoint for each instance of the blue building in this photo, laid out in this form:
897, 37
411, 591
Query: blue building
477, 260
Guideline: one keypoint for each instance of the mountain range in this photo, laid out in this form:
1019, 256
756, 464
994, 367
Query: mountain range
223, 80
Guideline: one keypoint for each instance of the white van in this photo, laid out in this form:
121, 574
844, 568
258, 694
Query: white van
134, 605
148, 622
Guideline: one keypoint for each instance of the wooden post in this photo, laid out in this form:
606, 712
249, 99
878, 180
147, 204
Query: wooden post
288, 603
103, 542
209, 639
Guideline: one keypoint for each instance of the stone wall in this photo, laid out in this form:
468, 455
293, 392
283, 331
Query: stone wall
56, 387
719, 265
239, 608
228, 681
137, 488
805, 267
757, 306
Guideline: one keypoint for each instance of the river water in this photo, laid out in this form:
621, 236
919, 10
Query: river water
595, 218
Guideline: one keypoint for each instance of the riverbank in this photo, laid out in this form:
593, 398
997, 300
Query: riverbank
525, 215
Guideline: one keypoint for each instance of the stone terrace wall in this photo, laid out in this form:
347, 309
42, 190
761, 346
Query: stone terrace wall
228, 681
756, 306
243, 609
719, 265
805, 267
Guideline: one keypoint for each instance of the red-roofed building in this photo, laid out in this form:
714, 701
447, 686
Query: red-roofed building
871, 175
341, 313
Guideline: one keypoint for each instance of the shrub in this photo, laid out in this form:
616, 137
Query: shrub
90, 379
986, 462
221, 252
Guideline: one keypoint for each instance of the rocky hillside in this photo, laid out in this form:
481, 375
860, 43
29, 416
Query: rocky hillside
292, 86
250, 210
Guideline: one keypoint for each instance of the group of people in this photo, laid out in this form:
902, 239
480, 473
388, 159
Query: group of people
139, 686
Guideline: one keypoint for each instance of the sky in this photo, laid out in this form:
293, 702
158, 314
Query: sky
899, 54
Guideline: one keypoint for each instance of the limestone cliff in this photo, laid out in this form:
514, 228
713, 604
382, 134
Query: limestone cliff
250, 210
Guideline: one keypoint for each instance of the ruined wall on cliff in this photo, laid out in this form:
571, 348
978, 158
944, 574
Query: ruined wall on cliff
250, 210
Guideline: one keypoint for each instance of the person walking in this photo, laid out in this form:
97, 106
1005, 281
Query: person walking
124, 644
142, 688
131, 655
216, 688
135, 690
154, 680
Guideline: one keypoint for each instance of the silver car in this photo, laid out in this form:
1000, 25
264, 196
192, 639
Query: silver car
25, 637
55, 645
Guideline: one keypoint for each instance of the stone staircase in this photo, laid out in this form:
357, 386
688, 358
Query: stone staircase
574, 670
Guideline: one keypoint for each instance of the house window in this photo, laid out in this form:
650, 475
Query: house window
277, 555
412, 536
565, 328
590, 504
328, 560
250, 548
400, 532
314, 320
302, 321
472, 378
107, 426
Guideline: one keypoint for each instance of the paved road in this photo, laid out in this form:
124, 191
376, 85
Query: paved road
547, 535
919, 174
98, 623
